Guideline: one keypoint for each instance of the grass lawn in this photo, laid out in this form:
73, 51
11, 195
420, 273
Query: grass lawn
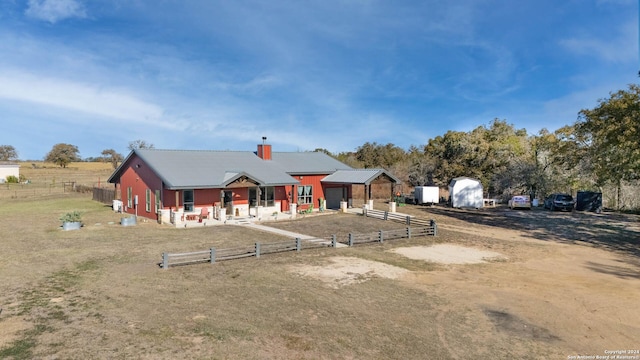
98, 293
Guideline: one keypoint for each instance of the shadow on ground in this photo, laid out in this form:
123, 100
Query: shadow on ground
611, 231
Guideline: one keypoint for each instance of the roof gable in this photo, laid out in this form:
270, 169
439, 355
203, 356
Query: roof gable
359, 176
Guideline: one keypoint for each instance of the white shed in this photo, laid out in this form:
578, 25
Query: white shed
8, 169
466, 192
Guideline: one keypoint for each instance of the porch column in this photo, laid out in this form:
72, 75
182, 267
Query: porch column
177, 199
366, 194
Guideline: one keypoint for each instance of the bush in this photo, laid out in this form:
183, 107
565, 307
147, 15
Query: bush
12, 179
73, 216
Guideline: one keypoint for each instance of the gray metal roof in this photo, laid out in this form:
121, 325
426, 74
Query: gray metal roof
307, 163
185, 169
357, 176
192, 169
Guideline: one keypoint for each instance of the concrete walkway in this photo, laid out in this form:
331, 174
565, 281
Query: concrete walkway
291, 234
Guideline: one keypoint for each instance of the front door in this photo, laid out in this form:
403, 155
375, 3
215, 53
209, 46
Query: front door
228, 201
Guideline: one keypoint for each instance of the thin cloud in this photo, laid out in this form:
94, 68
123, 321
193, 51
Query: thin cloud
89, 99
55, 10
620, 47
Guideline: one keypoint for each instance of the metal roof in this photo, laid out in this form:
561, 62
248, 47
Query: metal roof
186, 169
193, 169
307, 163
357, 176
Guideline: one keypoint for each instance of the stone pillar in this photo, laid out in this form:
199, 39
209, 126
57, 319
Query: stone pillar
392, 206
343, 206
370, 204
293, 208
223, 215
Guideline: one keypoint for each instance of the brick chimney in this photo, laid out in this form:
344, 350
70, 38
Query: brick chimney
264, 150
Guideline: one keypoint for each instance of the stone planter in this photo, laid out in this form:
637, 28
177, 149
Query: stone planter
76, 225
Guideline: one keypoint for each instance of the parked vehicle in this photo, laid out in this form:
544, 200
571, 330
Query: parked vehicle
559, 202
426, 195
520, 202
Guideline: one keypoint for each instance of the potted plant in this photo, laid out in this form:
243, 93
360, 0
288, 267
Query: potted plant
71, 220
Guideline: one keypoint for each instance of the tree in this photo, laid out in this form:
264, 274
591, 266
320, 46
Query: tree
112, 156
373, 155
609, 135
63, 154
8, 153
139, 144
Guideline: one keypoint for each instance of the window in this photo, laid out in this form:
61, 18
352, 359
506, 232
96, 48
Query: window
187, 200
305, 194
267, 196
157, 201
147, 205
129, 196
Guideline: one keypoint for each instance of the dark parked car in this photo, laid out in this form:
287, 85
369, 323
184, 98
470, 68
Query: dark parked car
559, 202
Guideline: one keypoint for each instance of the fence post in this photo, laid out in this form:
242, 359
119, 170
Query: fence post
380, 236
435, 227
213, 256
165, 260
298, 244
350, 239
409, 232
408, 220
386, 215
334, 243
257, 249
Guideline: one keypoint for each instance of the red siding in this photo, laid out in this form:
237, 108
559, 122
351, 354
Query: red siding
139, 178
318, 192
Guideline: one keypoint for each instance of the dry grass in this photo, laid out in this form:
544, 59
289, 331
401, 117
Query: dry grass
48, 179
99, 293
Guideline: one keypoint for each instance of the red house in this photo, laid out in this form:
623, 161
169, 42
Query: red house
178, 186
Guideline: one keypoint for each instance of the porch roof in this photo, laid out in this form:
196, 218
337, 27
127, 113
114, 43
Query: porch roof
359, 176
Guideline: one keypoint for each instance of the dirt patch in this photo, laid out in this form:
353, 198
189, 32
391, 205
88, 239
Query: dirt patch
449, 254
350, 270
11, 329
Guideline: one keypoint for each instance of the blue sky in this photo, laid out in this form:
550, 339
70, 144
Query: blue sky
207, 74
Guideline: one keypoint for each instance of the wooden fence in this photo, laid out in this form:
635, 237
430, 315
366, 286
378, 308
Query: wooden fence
258, 249
105, 196
405, 219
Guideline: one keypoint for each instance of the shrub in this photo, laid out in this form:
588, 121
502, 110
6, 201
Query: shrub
73, 216
12, 179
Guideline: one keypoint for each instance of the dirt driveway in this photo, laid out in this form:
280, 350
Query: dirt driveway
572, 280
560, 284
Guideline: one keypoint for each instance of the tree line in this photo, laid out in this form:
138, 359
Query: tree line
600, 149
63, 154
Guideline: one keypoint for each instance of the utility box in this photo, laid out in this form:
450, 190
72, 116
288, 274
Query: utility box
426, 195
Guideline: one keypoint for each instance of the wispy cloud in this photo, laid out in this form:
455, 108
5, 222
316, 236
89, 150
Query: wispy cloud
55, 10
88, 99
617, 47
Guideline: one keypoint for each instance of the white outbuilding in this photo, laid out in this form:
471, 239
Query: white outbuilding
8, 169
466, 192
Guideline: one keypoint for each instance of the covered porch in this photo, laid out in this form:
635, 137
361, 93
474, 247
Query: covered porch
242, 198
339, 186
